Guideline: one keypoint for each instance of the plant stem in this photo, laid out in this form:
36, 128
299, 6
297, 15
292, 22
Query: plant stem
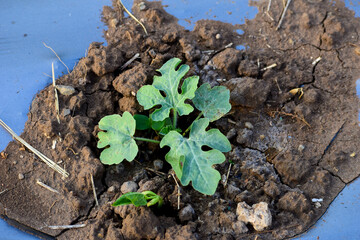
197, 118
174, 118
146, 140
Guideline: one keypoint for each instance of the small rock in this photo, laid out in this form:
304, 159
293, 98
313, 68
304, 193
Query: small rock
66, 111
231, 133
317, 205
65, 90
129, 186
21, 156
239, 227
187, 213
301, 148
231, 191
158, 164
258, 215
111, 189
142, 6
218, 36
14, 162
249, 125
21, 176
262, 137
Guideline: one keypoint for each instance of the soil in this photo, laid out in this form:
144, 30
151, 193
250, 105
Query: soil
287, 148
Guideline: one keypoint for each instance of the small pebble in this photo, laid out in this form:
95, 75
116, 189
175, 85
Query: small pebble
111, 189
14, 162
21, 176
65, 90
129, 186
158, 164
249, 125
317, 204
218, 36
187, 213
66, 112
142, 6
231, 133
262, 137
21, 156
301, 148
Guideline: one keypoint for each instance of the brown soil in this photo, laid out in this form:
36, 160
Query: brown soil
287, 149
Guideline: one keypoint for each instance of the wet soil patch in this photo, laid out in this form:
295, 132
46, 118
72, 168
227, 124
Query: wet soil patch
293, 128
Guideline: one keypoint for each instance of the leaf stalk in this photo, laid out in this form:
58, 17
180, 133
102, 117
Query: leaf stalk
146, 140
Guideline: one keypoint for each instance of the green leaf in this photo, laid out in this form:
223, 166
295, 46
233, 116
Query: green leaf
190, 162
149, 96
147, 198
213, 102
158, 125
119, 137
138, 199
142, 122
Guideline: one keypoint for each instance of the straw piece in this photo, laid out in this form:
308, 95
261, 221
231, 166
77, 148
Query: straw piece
94, 190
46, 186
56, 94
61, 227
283, 14
133, 17
45, 159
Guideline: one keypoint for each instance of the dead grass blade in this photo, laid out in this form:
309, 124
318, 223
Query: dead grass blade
45, 159
133, 17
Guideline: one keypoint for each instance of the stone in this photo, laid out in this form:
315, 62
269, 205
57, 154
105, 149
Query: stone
21, 176
111, 189
129, 186
65, 90
239, 227
258, 215
249, 125
158, 164
66, 111
187, 213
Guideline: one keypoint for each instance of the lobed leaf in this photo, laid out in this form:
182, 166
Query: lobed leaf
119, 137
149, 96
190, 162
213, 102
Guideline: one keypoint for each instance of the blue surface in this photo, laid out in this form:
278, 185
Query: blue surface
69, 27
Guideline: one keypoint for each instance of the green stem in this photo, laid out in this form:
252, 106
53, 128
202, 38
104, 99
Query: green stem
174, 118
146, 140
197, 118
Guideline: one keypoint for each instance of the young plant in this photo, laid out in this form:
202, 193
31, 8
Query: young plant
146, 198
188, 159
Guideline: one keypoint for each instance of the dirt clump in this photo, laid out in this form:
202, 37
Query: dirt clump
293, 128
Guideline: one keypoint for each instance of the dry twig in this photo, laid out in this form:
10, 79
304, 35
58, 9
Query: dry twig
57, 57
133, 17
45, 159
130, 61
178, 187
273, 113
46, 186
283, 14
56, 94
62, 227
94, 190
